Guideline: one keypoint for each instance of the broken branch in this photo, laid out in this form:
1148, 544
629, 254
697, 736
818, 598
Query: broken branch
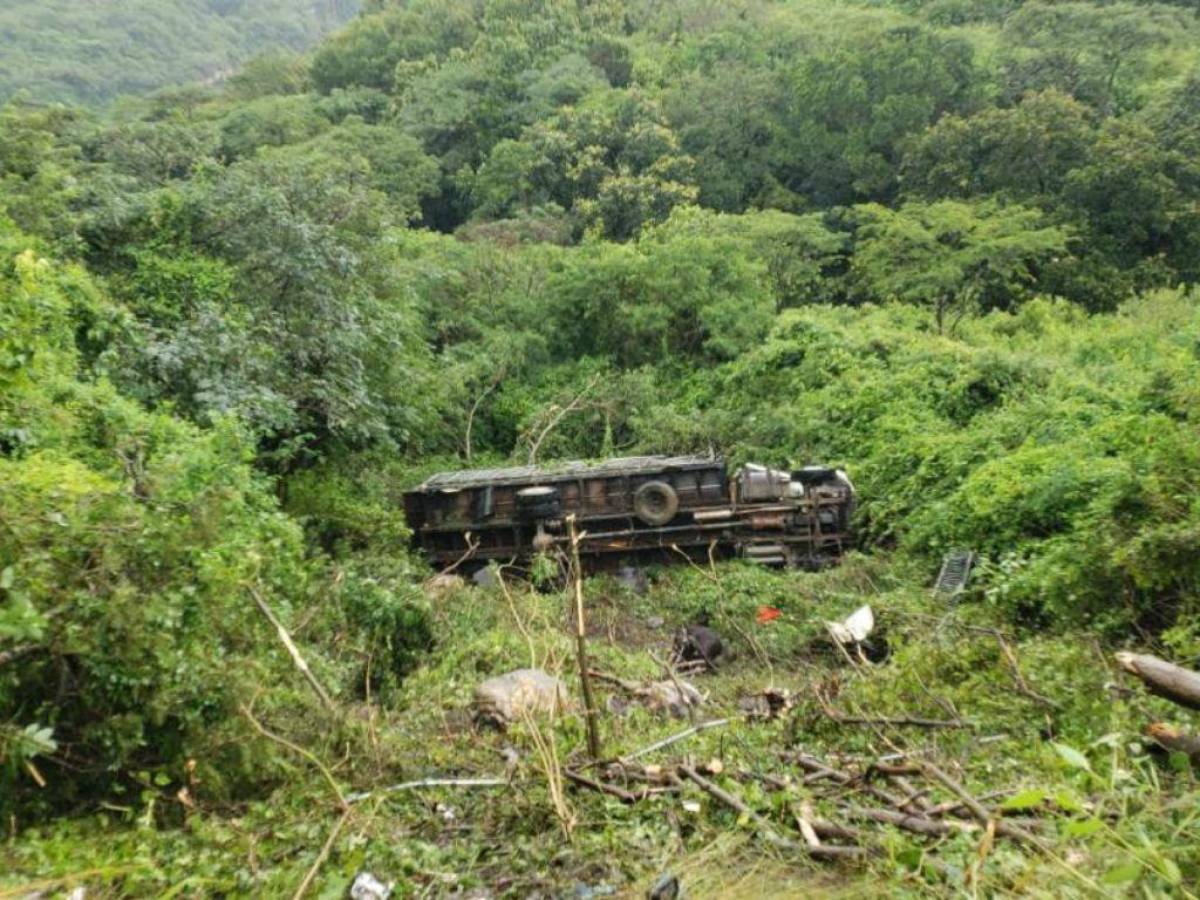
769, 834
292, 649
978, 810
429, 782
666, 742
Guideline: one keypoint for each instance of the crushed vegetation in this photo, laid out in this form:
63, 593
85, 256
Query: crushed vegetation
885, 765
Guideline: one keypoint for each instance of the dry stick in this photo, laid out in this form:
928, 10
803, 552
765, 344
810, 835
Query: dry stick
548, 757
322, 856
819, 772
844, 719
472, 546
426, 783
296, 748
683, 697
955, 806
913, 797
558, 417
826, 829
915, 824
512, 606
666, 742
622, 794
292, 649
770, 835
978, 810
1022, 686
589, 702
475, 408
804, 822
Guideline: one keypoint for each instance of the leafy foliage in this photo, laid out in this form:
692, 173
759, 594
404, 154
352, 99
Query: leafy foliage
951, 246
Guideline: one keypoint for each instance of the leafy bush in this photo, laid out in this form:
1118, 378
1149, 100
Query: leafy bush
130, 546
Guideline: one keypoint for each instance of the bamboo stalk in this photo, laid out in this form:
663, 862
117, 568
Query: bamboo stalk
589, 702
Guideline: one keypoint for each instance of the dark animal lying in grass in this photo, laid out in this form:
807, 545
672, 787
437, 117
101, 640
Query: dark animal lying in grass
699, 646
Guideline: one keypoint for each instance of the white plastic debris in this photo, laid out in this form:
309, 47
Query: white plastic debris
855, 628
367, 887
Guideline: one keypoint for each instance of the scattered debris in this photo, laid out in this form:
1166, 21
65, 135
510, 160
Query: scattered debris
673, 696
634, 579
665, 887
769, 703
1175, 683
501, 700
856, 634
367, 887
855, 628
956, 572
592, 891
767, 614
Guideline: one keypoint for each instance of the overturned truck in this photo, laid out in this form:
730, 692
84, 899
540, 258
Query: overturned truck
634, 509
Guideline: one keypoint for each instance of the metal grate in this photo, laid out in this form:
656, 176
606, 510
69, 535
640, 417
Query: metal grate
956, 572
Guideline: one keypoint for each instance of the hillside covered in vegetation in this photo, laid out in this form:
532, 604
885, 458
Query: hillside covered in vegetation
950, 246
92, 51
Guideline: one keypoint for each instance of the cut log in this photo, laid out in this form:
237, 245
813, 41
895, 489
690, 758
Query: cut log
1168, 680
1173, 740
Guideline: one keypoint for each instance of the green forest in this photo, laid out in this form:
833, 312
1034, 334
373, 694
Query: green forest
92, 51
950, 246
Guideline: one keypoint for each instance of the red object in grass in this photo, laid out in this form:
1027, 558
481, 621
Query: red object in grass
767, 614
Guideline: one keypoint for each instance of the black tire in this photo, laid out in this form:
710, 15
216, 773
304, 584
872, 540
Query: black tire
655, 503
541, 502
814, 475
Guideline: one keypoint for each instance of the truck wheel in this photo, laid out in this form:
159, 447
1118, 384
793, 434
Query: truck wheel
655, 503
541, 502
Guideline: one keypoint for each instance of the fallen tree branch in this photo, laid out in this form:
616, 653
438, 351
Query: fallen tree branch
620, 793
915, 824
296, 748
428, 783
472, 546
766, 829
668, 741
322, 856
1175, 683
292, 649
978, 810
843, 719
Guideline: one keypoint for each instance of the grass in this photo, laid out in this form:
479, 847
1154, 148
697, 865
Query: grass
1117, 819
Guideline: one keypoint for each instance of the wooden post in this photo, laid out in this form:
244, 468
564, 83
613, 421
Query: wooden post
589, 703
